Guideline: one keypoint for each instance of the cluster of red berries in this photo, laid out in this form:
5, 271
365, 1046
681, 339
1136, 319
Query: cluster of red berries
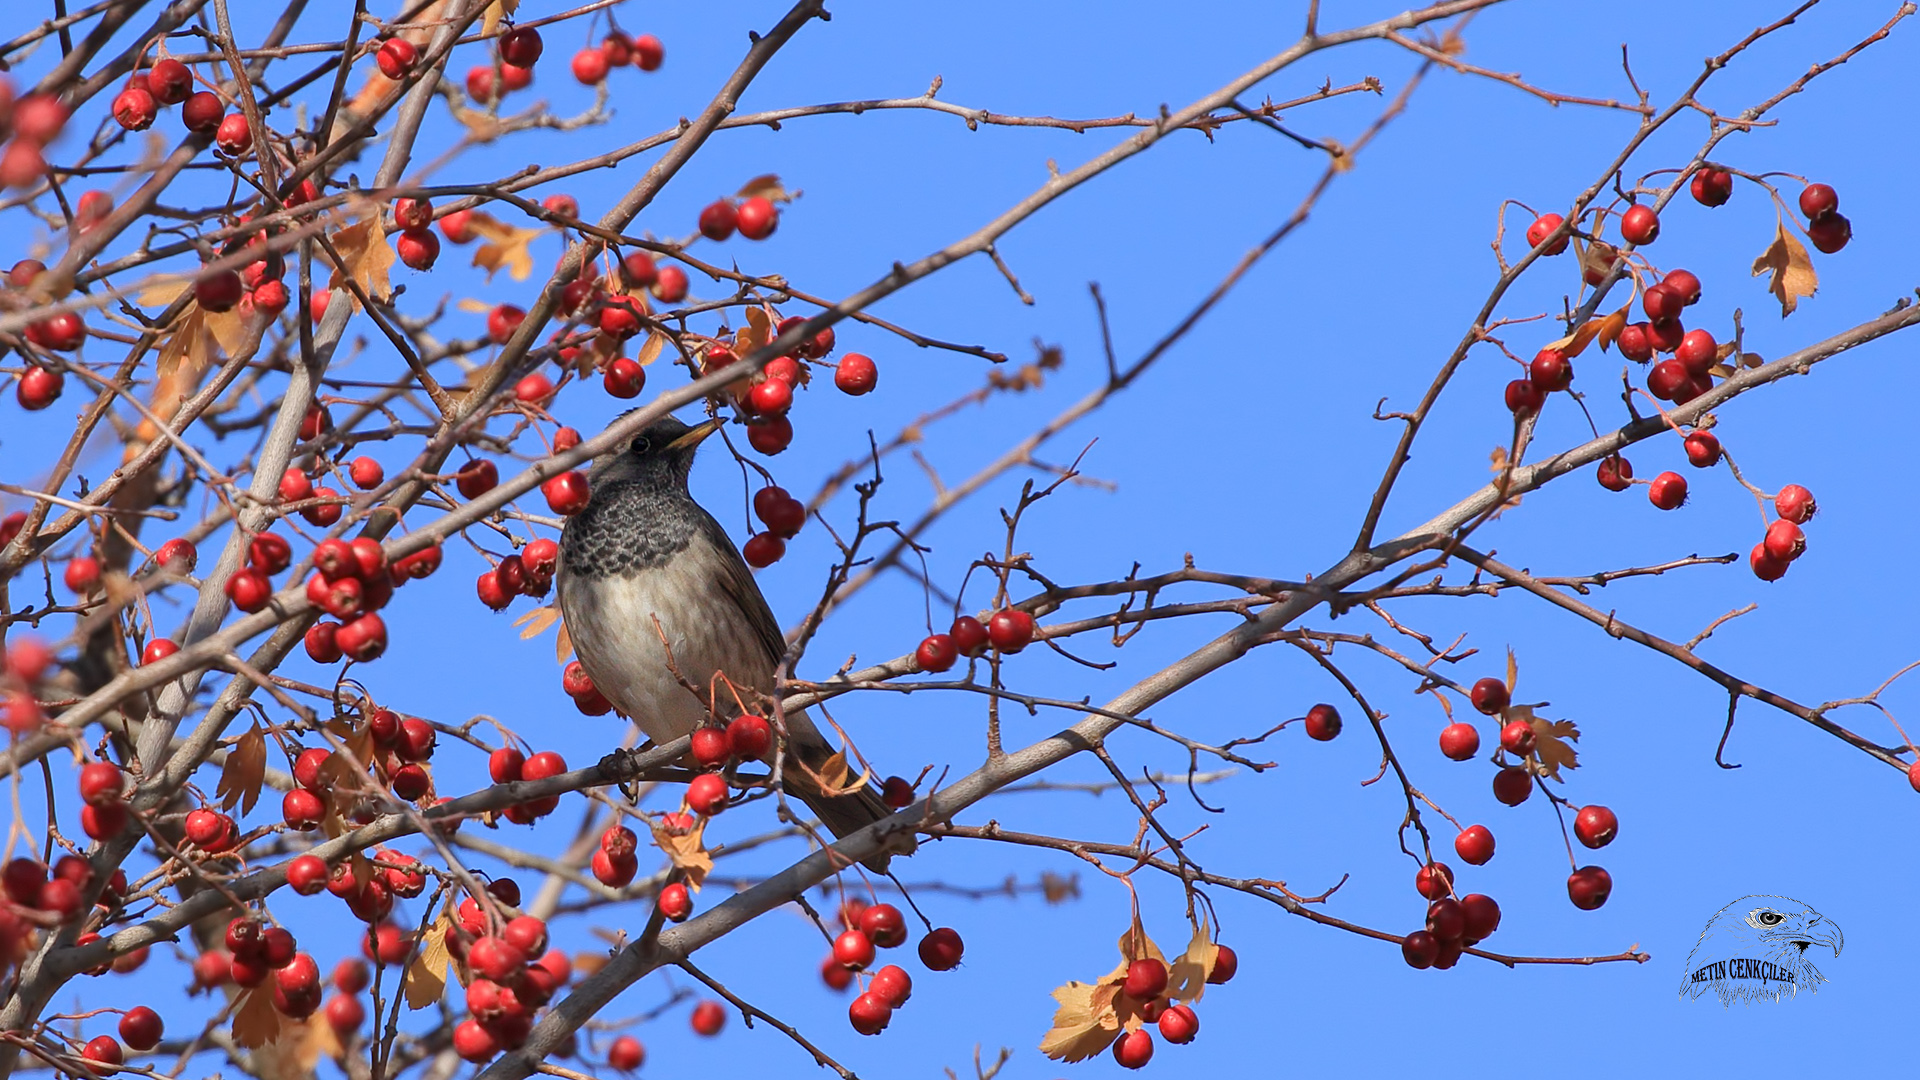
520, 49
1008, 630
40, 385
591, 64
1784, 541
579, 686
1827, 227
782, 514
508, 765
767, 398
82, 574
755, 217
616, 861
27, 661
866, 928
30, 124
30, 892
1146, 986
170, 82
514, 972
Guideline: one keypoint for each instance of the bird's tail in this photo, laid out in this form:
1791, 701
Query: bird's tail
843, 814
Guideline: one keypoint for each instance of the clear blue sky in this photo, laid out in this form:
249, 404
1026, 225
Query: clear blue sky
1251, 447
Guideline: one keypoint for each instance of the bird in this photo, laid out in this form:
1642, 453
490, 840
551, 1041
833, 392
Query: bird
642, 549
1756, 949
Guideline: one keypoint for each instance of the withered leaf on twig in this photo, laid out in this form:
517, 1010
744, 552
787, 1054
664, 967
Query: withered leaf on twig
507, 246
244, 772
1550, 740
366, 256
256, 1022
766, 186
426, 978
687, 852
1792, 269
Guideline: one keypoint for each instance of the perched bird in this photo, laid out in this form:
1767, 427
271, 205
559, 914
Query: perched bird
1755, 948
642, 550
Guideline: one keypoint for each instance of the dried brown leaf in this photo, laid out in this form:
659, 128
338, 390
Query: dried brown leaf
1792, 269
1085, 1023
507, 246
497, 10
426, 978
651, 348
1611, 326
688, 852
366, 257
1513, 671
1187, 975
766, 186
317, 1040
476, 307
1550, 740
563, 644
535, 622
244, 772
256, 1022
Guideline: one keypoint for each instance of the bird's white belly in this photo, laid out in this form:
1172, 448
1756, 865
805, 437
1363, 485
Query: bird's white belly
611, 624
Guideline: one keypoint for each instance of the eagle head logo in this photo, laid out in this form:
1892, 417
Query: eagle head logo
1756, 948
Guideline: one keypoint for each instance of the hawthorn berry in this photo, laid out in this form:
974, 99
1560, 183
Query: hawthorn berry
476, 478
1711, 186
1524, 397
763, 550
502, 321
418, 248
219, 290
884, 926
671, 286
1615, 473
708, 1018
941, 949
1703, 449
1474, 844
1419, 948
141, 1028
757, 218
624, 378
707, 794
1511, 786
1459, 741
1445, 921
1668, 490
302, 809
1323, 723
1635, 343
782, 513
719, 219
1010, 630
770, 397
590, 67
103, 1052
1818, 200
1662, 303
897, 793
936, 653
1697, 352
1764, 565
892, 984
1433, 880
344, 1014
1639, 225
1482, 917
567, 494
521, 46
1543, 227
626, 1053
1795, 504
1785, 541
157, 650
1146, 979
1589, 887
1550, 371
648, 52
1133, 1049
1596, 826
1684, 282
515, 77
1226, 965
855, 375
307, 874
134, 109
619, 317
674, 902
396, 57
1830, 233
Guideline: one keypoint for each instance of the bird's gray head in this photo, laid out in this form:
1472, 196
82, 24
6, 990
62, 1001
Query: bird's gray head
660, 454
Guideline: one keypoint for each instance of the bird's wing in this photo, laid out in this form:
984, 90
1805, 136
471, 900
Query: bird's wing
737, 581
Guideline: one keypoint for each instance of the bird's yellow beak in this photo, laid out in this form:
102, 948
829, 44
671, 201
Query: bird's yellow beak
694, 434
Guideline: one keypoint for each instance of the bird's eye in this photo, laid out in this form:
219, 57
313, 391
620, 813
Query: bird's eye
641, 445
1771, 918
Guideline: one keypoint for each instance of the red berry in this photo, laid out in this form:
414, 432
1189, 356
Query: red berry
1512, 786
476, 478
521, 46
1595, 826
1697, 352
134, 109
1785, 541
648, 53
1795, 504
1550, 371
707, 794
1133, 1049
619, 317
969, 635
1667, 334
1490, 695
515, 77
307, 874
1146, 979
567, 493
102, 1053
1226, 964
345, 1014
626, 1053
1765, 566
869, 1013
1010, 630
1517, 738
757, 218
770, 398
502, 321
1482, 916
884, 925
100, 783
1639, 225
708, 1018
1818, 200
1524, 397
853, 949
719, 219
671, 288
207, 828
418, 249
1474, 844
1684, 282
1323, 723
39, 388
674, 902
473, 1042
1662, 304
480, 84
1668, 380
1445, 921
1589, 887
302, 809
936, 653
1434, 880
140, 1028
763, 550
1830, 233
782, 513
749, 737
625, 378
1419, 948
855, 374
458, 226
1635, 343
1668, 490
157, 650
1703, 449
219, 290
590, 67
234, 137
83, 573
617, 48
892, 984
169, 81
249, 590
942, 949
1541, 228
364, 639
1459, 741
1614, 474
396, 57
1712, 187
